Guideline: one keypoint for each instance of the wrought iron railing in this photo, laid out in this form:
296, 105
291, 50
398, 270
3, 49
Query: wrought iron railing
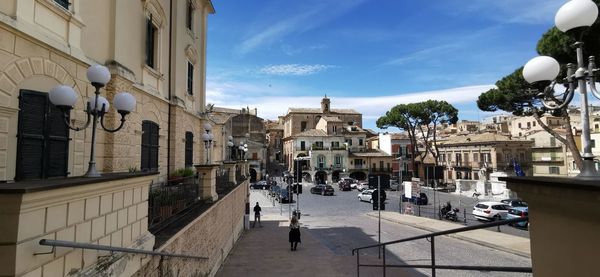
431, 239
168, 200
224, 185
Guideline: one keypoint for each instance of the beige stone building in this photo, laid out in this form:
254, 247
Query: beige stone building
549, 156
155, 50
468, 157
332, 143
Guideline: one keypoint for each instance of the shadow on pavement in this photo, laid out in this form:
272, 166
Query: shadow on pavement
265, 251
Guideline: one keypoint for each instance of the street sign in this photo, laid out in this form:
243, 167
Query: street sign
407, 189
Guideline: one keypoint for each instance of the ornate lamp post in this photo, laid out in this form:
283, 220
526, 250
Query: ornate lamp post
230, 146
64, 97
208, 139
572, 18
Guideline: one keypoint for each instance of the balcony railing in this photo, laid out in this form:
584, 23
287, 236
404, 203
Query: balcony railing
168, 200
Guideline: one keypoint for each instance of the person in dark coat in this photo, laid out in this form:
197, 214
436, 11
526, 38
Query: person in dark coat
257, 211
294, 237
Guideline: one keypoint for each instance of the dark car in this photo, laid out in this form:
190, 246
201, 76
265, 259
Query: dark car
514, 202
344, 186
322, 189
417, 200
260, 185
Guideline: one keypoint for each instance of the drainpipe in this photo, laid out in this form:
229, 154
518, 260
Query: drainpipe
170, 89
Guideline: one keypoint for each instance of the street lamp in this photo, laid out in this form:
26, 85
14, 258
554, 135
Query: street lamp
208, 139
230, 146
64, 97
572, 18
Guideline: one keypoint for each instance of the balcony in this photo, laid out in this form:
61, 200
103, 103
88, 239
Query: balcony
546, 159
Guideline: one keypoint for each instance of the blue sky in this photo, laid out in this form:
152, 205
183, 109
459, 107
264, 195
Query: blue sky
368, 55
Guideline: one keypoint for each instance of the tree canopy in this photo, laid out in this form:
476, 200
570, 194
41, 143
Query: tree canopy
420, 119
513, 94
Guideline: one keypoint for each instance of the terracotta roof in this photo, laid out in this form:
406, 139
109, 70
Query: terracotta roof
473, 138
312, 133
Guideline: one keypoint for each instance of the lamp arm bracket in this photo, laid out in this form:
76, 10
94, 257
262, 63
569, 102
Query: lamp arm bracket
549, 95
112, 130
74, 128
592, 80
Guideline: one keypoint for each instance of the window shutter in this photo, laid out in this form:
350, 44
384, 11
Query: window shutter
149, 42
189, 149
190, 79
154, 147
32, 115
145, 145
43, 138
57, 143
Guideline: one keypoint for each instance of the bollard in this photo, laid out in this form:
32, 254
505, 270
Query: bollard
465, 215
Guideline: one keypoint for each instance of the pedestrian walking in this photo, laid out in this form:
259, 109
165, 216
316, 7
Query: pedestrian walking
294, 236
257, 211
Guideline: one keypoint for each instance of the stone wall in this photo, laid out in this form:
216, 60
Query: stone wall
113, 213
211, 235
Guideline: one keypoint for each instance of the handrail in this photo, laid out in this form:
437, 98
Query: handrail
431, 239
446, 232
70, 244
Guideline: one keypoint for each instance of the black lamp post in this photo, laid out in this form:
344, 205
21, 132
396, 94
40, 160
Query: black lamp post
64, 97
572, 18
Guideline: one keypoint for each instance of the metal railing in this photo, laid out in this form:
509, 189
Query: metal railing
431, 238
167, 200
70, 244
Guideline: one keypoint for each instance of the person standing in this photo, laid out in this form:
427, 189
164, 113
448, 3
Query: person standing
294, 236
257, 211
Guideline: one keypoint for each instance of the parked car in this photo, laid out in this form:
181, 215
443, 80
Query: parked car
395, 186
344, 186
346, 183
514, 202
274, 190
322, 189
362, 185
368, 195
260, 185
490, 210
417, 200
518, 212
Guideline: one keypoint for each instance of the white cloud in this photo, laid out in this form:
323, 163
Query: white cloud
269, 107
321, 12
294, 69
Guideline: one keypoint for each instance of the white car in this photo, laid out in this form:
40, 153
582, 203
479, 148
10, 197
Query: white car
360, 186
490, 210
366, 195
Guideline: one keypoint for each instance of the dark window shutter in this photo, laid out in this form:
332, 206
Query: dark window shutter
43, 138
190, 79
57, 143
189, 149
150, 42
190, 13
145, 145
149, 146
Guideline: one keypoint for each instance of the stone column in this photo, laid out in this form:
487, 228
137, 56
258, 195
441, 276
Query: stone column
231, 167
207, 177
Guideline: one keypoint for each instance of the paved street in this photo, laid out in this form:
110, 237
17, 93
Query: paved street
464, 203
340, 223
